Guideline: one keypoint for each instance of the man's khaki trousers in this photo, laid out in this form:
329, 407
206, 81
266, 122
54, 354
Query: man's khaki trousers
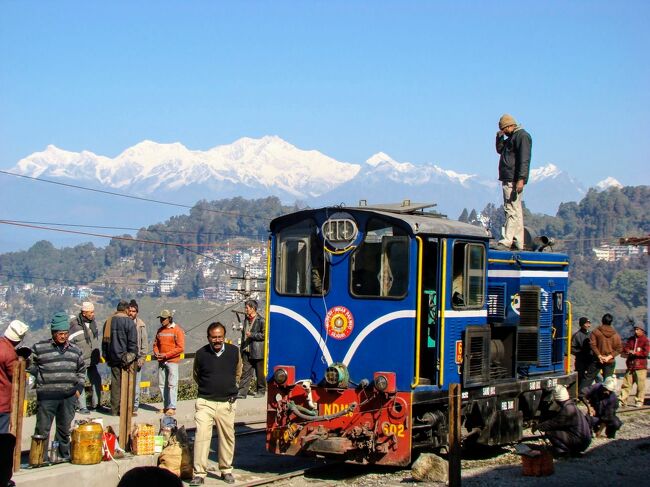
222, 415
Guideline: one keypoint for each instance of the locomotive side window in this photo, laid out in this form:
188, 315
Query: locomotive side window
301, 267
468, 285
379, 266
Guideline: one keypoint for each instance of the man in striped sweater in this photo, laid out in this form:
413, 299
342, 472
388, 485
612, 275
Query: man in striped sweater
60, 373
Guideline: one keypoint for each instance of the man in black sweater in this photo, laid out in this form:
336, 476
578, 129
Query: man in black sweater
217, 370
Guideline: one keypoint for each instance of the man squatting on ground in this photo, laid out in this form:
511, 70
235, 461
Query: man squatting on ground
84, 334
568, 431
514, 145
217, 370
13, 335
602, 404
60, 373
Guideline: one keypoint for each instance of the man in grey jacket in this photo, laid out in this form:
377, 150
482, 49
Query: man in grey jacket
252, 351
514, 145
143, 349
84, 334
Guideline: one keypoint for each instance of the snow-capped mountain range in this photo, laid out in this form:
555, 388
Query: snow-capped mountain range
271, 166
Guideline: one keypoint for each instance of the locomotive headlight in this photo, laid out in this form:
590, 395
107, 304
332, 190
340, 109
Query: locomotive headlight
284, 375
337, 375
385, 382
332, 376
381, 383
280, 376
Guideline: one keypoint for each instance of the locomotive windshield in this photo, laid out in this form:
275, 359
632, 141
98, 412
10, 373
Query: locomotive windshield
302, 268
379, 266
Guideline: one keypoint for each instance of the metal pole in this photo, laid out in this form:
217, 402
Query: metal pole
17, 408
454, 434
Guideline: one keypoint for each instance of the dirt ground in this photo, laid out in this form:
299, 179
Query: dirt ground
621, 461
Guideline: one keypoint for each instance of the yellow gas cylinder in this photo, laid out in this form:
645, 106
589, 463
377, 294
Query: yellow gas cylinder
87, 444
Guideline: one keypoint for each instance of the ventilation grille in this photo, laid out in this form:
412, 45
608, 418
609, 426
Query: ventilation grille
497, 302
529, 305
527, 346
477, 355
545, 347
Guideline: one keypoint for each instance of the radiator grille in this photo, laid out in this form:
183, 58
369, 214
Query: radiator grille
529, 305
527, 345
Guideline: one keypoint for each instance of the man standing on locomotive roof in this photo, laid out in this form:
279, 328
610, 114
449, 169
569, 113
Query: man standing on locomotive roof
252, 351
514, 145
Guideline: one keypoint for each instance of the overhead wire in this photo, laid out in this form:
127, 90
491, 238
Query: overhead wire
128, 239
25, 279
124, 195
143, 229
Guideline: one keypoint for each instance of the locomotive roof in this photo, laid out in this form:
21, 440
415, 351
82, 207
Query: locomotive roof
411, 214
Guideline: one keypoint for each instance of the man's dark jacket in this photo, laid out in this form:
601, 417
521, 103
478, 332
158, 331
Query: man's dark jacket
581, 349
572, 421
123, 339
254, 344
515, 156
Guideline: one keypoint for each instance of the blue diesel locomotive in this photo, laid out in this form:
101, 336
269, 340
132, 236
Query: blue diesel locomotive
373, 311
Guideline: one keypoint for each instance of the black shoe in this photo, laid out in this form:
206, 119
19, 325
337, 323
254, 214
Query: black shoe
83, 411
228, 478
241, 396
197, 481
260, 394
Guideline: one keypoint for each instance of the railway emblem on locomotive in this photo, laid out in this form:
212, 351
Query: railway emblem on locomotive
339, 322
514, 303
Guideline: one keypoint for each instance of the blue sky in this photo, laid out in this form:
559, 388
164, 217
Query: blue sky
421, 81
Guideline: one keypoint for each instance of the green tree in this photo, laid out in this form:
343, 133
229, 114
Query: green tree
630, 286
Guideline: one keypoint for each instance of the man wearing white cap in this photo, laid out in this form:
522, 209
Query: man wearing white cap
568, 431
84, 334
602, 403
13, 335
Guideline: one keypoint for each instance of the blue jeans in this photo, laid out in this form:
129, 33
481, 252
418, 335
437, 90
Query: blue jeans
168, 383
138, 378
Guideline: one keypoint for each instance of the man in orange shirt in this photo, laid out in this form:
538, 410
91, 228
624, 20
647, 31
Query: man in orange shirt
167, 348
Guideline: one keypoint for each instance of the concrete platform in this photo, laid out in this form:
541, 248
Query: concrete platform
107, 474
249, 409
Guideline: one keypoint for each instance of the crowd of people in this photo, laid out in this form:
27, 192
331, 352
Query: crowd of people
570, 430
65, 362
